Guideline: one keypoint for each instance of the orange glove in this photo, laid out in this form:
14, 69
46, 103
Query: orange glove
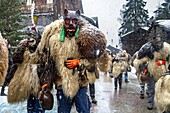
72, 63
161, 62
144, 71
43, 87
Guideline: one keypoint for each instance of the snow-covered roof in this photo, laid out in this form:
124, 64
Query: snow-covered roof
112, 49
164, 23
127, 33
144, 28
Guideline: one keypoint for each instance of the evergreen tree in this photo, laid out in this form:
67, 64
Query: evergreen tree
134, 16
163, 11
10, 17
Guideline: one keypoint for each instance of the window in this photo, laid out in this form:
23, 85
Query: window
29, 2
49, 1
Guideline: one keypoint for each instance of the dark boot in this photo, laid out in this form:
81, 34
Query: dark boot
126, 81
150, 106
92, 93
115, 82
120, 81
94, 101
2, 91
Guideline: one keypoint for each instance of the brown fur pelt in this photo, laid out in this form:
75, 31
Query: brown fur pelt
84, 47
89, 70
136, 64
103, 62
24, 82
3, 60
110, 64
162, 94
89, 44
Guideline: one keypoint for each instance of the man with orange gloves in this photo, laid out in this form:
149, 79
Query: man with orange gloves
73, 45
157, 54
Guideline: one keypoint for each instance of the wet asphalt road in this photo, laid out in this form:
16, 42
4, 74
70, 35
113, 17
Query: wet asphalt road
125, 100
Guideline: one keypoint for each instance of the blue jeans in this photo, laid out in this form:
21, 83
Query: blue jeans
81, 101
33, 105
126, 75
151, 90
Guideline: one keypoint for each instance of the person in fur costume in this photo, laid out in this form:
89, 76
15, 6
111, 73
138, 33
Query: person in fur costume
155, 51
3, 59
10, 61
101, 64
23, 78
126, 63
120, 65
109, 64
73, 45
141, 67
162, 95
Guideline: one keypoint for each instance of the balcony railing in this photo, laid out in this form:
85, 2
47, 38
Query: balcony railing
39, 9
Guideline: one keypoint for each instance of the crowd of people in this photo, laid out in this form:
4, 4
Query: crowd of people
69, 55
64, 56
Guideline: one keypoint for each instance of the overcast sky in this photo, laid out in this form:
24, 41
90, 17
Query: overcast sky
108, 12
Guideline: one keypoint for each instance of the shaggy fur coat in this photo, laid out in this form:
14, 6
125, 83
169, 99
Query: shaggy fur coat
85, 47
162, 94
103, 62
123, 64
3, 59
25, 80
136, 63
155, 70
162, 90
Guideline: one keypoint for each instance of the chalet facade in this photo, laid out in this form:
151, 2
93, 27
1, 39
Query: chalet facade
160, 28
112, 49
132, 41
47, 11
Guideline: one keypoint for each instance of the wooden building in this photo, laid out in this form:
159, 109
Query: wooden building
47, 11
160, 28
112, 50
132, 41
